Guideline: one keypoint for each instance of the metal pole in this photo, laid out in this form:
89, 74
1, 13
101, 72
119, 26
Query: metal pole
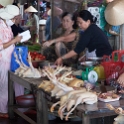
51, 21
120, 38
83, 5
38, 8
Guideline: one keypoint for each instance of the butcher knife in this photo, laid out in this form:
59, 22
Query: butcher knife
102, 87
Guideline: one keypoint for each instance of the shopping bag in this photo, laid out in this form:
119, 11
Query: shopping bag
22, 53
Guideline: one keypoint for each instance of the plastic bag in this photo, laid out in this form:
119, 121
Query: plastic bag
114, 30
102, 17
22, 52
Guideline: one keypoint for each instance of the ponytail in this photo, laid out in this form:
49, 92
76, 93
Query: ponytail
86, 15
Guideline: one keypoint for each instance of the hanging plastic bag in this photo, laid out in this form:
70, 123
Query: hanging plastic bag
22, 53
114, 30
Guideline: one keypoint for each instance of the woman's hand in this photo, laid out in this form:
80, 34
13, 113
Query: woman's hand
17, 39
58, 61
47, 44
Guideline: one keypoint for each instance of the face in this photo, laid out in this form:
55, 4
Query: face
83, 24
29, 14
67, 23
18, 19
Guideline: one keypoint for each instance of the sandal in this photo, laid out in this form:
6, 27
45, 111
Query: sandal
2, 115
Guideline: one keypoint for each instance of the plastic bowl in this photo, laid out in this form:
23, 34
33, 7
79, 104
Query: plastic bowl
35, 64
26, 100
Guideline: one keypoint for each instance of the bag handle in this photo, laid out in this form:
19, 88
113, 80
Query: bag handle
106, 58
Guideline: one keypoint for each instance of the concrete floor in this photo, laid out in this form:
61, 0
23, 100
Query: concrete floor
19, 120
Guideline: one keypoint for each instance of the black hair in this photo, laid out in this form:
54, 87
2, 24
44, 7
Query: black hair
15, 4
72, 18
86, 15
25, 6
48, 5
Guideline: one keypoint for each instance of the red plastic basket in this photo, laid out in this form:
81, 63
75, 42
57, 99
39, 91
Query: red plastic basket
113, 67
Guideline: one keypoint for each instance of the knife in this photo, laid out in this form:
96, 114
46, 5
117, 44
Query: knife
102, 87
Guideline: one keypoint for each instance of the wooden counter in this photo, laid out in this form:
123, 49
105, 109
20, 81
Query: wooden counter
84, 111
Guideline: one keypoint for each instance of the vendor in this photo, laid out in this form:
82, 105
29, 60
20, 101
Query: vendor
68, 27
16, 28
33, 23
93, 38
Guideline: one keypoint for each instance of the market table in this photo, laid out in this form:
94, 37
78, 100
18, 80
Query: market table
84, 111
87, 112
41, 103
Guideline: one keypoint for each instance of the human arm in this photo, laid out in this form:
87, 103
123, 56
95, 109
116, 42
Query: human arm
83, 41
121, 79
70, 54
68, 38
35, 24
13, 41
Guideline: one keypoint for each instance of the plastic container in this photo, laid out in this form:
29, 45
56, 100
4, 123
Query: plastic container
25, 100
100, 71
113, 66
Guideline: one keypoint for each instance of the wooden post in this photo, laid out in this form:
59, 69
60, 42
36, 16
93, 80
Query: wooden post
84, 6
120, 38
85, 119
10, 97
42, 109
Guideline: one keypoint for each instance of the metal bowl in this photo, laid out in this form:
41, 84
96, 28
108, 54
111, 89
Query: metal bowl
88, 63
95, 58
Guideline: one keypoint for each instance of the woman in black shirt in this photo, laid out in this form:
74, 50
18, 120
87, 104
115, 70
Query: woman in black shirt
16, 29
93, 38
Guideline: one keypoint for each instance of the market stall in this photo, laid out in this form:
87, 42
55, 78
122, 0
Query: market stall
66, 91
84, 111
27, 83
57, 89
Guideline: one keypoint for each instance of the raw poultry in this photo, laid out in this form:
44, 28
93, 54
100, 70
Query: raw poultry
120, 118
26, 71
65, 88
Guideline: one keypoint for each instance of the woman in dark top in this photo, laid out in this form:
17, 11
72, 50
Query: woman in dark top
93, 38
68, 27
16, 29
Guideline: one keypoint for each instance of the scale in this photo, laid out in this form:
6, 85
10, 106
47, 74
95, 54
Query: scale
89, 74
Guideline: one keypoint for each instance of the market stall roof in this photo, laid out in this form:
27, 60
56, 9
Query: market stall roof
114, 13
90, 3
